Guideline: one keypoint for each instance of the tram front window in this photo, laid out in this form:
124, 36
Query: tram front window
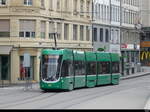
51, 67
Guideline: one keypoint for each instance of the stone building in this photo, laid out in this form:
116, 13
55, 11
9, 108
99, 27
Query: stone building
145, 32
130, 36
27, 26
115, 29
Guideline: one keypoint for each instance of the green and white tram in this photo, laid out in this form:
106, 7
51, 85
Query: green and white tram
68, 69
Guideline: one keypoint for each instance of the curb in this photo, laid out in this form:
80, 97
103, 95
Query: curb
135, 76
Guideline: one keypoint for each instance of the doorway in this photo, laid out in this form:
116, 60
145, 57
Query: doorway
31, 70
4, 67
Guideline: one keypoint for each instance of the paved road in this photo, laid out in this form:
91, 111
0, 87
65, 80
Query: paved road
129, 94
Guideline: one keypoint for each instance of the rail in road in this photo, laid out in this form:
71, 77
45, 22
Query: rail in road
37, 99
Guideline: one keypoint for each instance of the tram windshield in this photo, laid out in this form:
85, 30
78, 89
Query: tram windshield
51, 67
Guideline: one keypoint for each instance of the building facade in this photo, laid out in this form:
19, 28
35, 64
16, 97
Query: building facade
130, 36
115, 26
106, 25
27, 26
145, 32
101, 24
115, 30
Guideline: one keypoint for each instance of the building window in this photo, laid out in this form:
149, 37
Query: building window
43, 3
2, 2
75, 32
107, 35
81, 32
43, 29
75, 7
66, 31
58, 4
51, 4
28, 2
101, 35
95, 34
51, 29
87, 33
27, 28
59, 30
82, 8
88, 8
66, 3
4, 28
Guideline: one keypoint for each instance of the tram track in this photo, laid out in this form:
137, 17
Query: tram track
73, 97
26, 100
21, 99
78, 100
94, 97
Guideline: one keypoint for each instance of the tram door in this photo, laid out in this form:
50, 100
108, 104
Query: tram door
4, 67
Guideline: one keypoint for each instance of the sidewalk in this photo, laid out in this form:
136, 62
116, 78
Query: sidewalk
144, 71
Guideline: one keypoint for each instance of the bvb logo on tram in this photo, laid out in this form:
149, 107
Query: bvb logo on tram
145, 55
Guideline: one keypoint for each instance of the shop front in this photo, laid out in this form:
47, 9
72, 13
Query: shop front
5, 64
130, 58
19, 73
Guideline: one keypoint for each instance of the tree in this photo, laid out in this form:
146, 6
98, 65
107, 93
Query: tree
100, 49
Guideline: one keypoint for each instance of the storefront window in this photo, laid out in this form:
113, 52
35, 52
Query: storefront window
26, 72
4, 67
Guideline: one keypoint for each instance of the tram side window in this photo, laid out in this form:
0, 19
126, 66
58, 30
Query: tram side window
79, 68
104, 68
98, 68
91, 68
115, 67
67, 68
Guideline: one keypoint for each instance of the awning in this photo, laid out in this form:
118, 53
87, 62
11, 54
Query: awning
5, 50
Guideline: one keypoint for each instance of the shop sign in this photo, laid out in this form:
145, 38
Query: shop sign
123, 46
145, 55
128, 46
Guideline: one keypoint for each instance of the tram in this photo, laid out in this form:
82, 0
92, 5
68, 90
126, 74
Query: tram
69, 69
